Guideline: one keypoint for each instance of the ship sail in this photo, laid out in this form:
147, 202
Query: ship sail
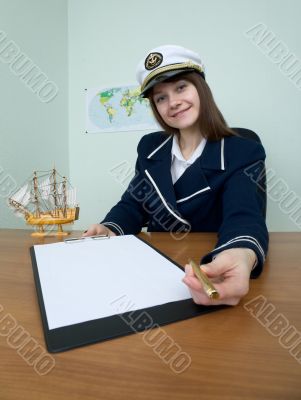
26, 199
44, 188
71, 197
22, 196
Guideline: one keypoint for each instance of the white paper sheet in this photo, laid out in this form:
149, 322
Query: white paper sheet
87, 280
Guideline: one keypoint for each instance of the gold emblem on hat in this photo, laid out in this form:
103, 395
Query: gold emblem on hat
153, 60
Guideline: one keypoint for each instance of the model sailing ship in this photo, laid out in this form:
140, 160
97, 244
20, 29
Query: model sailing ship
47, 198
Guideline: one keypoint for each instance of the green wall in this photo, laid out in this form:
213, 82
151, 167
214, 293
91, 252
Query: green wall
33, 126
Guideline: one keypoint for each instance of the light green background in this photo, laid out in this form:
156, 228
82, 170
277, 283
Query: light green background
83, 44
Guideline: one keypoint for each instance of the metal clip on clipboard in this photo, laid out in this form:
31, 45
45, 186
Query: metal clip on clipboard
80, 239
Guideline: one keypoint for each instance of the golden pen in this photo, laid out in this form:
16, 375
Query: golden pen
210, 290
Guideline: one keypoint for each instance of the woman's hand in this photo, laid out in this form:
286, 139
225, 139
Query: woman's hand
229, 272
98, 229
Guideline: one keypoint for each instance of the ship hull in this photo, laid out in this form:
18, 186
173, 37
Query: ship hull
59, 218
47, 218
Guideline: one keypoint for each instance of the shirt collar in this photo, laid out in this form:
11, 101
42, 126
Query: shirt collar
176, 151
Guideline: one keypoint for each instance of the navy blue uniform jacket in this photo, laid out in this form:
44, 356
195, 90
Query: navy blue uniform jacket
215, 194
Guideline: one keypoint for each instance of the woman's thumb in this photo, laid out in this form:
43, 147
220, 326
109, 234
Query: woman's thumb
213, 269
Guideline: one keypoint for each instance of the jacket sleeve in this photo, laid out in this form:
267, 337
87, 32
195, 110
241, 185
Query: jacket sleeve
128, 216
243, 223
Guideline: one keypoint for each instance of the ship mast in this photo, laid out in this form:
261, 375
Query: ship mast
54, 189
35, 191
64, 197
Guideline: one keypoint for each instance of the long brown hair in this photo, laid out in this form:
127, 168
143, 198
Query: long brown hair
211, 121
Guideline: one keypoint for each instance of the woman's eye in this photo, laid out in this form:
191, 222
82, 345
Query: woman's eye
181, 87
159, 99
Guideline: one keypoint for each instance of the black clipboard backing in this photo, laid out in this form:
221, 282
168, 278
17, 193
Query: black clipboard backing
89, 332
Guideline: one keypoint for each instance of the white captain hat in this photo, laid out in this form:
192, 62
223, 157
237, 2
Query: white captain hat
165, 62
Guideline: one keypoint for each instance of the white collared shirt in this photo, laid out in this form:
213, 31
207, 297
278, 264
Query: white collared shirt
178, 162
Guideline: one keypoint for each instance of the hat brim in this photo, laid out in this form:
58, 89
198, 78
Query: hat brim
164, 77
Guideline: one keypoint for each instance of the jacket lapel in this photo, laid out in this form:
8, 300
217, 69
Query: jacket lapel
157, 169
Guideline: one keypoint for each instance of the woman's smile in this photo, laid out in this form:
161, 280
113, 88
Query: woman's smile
180, 113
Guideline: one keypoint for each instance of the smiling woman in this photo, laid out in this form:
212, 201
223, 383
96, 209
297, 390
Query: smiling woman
209, 119
191, 177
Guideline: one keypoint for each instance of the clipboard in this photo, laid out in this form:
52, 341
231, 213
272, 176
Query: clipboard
122, 323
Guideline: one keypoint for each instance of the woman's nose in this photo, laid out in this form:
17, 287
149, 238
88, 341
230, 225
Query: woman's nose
174, 101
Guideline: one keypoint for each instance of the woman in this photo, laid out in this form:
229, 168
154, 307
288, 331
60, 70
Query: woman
192, 177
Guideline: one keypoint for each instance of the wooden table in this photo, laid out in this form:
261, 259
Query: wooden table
233, 355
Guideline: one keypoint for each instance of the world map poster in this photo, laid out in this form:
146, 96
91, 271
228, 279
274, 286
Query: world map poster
118, 109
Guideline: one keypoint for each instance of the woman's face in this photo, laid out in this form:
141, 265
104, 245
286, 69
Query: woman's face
178, 103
